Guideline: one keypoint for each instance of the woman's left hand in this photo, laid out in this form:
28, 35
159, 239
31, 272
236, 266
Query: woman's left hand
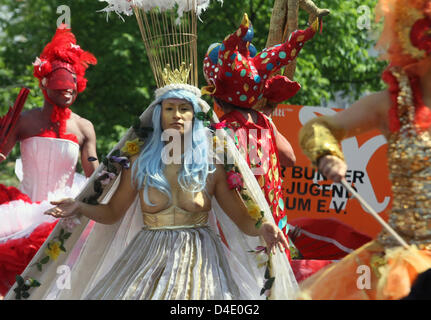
273, 237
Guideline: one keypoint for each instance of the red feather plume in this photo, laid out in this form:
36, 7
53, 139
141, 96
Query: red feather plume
63, 47
8, 121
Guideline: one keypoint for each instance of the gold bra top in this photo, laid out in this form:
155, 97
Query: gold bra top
175, 218
409, 162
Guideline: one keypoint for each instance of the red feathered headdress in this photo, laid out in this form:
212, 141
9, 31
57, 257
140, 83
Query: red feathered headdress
406, 44
238, 77
406, 37
63, 53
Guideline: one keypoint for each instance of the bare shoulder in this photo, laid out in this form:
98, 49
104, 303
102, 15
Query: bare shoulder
219, 173
29, 115
133, 158
28, 123
84, 125
216, 178
80, 120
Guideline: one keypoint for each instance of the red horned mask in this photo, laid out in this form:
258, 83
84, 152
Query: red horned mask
235, 74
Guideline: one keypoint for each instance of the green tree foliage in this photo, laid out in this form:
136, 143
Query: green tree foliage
121, 85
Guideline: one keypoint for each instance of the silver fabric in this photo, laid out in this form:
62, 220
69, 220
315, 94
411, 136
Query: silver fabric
165, 264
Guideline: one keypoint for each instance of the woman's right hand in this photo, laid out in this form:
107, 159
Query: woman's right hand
333, 168
64, 208
273, 237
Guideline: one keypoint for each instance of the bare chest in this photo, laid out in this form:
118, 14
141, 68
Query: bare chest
34, 125
190, 201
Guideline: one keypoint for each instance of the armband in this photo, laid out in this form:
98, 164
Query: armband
320, 137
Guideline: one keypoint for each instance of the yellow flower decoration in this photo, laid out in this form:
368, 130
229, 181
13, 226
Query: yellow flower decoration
53, 250
253, 210
262, 260
132, 147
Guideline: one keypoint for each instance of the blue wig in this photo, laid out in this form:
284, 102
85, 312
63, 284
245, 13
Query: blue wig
148, 168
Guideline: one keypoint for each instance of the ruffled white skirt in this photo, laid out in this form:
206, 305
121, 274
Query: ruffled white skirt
19, 218
165, 264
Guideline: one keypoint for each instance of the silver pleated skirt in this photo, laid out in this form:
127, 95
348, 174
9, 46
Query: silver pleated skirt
163, 264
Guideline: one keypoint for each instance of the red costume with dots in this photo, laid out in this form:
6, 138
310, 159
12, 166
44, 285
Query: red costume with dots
256, 142
238, 76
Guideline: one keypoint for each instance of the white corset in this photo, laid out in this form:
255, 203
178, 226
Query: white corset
48, 164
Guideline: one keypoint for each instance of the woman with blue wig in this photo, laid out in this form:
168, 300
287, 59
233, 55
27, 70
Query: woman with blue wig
178, 253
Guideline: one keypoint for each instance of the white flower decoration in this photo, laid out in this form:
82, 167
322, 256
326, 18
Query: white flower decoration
37, 62
70, 223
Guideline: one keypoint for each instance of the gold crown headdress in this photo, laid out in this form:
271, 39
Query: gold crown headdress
180, 75
169, 32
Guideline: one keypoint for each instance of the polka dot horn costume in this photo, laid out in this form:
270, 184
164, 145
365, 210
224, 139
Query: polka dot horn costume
237, 75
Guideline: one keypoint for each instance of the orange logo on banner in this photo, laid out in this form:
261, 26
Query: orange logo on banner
308, 194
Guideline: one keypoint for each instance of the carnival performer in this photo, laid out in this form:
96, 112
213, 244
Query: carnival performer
51, 139
188, 233
176, 255
239, 80
402, 114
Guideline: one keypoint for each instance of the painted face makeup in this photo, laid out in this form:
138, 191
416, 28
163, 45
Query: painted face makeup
177, 114
61, 79
61, 87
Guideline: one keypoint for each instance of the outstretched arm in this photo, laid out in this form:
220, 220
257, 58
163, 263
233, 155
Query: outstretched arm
320, 137
366, 114
88, 149
231, 203
103, 213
